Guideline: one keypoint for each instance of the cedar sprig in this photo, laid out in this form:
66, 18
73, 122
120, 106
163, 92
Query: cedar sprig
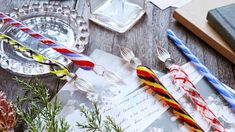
95, 123
110, 122
39, 114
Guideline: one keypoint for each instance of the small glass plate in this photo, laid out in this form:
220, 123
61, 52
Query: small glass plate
53, 21
117, 15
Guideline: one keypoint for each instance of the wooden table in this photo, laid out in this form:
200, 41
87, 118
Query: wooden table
143, 38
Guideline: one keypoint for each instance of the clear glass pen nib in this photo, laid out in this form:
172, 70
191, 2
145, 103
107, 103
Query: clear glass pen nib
80, 83
112, 78
134, 62
83, 85
108, 75
129, 56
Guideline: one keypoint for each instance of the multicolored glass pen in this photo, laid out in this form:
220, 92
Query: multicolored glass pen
61, 71
151, 80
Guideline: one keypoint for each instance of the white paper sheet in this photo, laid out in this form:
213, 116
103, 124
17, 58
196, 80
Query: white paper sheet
163, 4
138, 109
134, 112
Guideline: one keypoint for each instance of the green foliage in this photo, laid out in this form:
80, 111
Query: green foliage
39, 114
95, 123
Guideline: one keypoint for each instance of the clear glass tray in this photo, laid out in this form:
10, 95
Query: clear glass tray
117, 15
53, 21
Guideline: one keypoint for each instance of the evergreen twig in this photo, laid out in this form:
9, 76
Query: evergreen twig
40, 114
95, 123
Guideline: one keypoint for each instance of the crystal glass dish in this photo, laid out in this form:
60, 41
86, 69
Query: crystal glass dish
117, 15
58, 23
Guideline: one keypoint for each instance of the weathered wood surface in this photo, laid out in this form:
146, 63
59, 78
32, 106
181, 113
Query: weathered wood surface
143, 38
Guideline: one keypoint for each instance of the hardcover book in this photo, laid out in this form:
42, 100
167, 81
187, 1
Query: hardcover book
222, 19
193, 16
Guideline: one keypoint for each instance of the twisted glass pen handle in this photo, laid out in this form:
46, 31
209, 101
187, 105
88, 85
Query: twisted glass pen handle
56, 67
219, 86
150, 79
181, 79
79, 59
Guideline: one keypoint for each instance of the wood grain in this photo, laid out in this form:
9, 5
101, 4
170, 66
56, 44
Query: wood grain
143, 39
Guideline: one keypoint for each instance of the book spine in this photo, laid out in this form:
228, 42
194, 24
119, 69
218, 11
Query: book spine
222, 27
